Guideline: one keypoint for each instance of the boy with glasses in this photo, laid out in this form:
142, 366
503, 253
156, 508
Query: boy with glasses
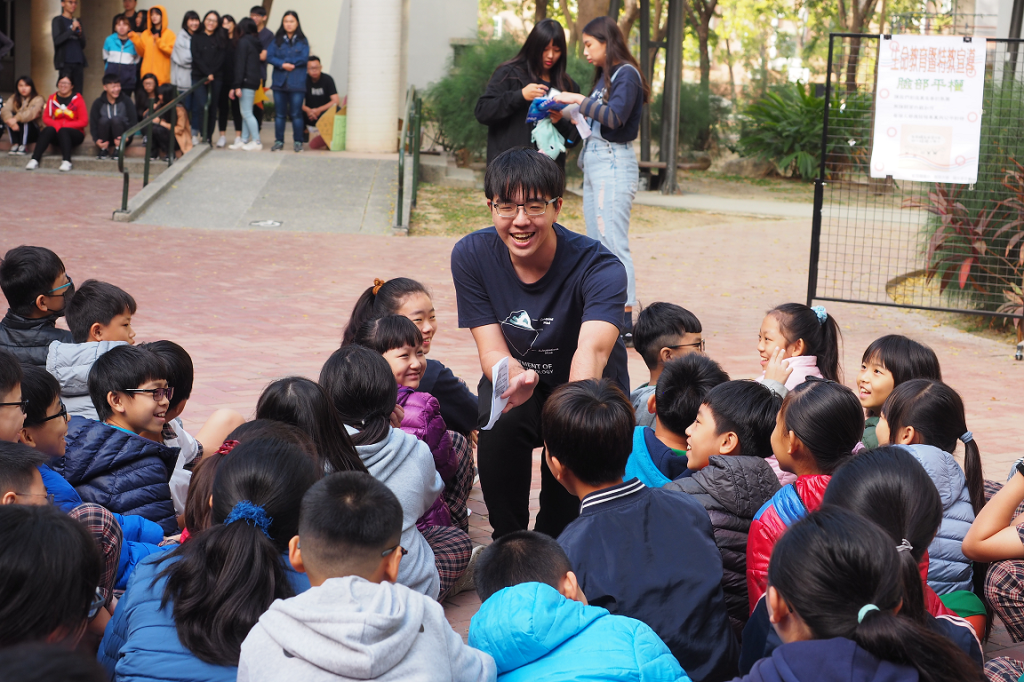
38, 290
12, 405
108, 461
663, 331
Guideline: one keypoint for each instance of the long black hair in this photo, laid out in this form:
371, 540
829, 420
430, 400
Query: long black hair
246, 27
827, 418
833, 563
605, 30
282, 34
305, 404
383, 298
191, 14
531, 55
19, 101
230, 573
821, 338
363, 390
386, 333
936, 412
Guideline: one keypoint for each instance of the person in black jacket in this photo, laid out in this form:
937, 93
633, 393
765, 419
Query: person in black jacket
227, 104
209, 48
246, 80
111, 115
536, 71
37, 289
69, 44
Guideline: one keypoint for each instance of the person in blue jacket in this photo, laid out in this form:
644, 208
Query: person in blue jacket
185, 613
834, 591
536, 624
289, 53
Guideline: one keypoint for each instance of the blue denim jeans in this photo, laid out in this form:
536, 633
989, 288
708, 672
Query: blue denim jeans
610, 178
211, 90
288, 105
250, 127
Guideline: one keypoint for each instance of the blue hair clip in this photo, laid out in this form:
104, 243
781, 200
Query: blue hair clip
246, 511
819, 310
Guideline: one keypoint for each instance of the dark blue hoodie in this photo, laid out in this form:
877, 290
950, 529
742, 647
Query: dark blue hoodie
827, 660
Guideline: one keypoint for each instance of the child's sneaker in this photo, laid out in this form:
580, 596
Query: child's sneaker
32, 164
221, 141
253, 146
102, 156
298, 147
14, 150
65, 166
278, 146
237, 144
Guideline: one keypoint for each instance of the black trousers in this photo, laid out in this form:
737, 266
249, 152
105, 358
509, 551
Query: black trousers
77, 73
67, 138
225, 106
505, 463
110, 129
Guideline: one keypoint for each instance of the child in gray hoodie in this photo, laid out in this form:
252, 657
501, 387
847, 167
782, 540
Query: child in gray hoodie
355, 623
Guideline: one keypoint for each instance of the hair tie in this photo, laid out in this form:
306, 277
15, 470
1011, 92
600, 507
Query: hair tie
226, 447
967, 437
819, 310
865, 610
377, 284
905, 546
244, 510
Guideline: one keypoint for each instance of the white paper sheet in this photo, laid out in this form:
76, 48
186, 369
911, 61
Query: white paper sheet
499, 378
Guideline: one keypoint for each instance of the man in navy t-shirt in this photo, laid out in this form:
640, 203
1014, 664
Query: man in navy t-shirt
549, 299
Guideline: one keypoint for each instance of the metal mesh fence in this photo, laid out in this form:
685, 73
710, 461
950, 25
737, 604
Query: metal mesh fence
912, 244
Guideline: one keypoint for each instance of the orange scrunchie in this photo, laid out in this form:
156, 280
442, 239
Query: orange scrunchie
377, 284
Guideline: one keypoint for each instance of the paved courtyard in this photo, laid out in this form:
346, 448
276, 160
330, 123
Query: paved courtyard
252, 306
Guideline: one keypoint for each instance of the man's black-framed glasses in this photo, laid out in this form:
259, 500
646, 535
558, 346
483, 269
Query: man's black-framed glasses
158, 393
65, 287
534, 207
23, 404
700, 345
63, 412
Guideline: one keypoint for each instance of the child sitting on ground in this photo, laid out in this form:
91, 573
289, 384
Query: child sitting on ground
100, 318
927, 418
38, 290
819, 424
663, 331
888, 362
659, 454
12, 405
362, 388
355, 622
108, 461
641, 552
729, 442
536, 623
835, 596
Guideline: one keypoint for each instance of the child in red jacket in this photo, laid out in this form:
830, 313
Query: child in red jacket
65, 117
820, 423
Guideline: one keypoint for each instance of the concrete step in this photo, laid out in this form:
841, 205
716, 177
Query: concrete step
440, 169
86, 162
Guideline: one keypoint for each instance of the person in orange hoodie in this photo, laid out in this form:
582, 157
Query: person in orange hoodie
155, 45
65, 117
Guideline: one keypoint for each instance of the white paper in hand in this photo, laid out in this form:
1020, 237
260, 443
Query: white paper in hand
573, 112
499, 378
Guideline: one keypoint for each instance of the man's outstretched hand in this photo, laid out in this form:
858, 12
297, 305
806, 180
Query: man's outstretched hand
520, 388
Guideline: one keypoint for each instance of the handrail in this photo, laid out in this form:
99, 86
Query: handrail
147, 124
410, 135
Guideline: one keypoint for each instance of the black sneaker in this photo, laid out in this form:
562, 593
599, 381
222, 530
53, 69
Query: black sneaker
102, 156
627, 330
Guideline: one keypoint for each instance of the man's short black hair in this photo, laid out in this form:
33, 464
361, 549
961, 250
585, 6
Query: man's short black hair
17, 462
11, 372
25, 273
658, 326
93, 302
180, 371
40, 389
258, 9
312, 58
346, 520
119, 368
748, 409
682, 387
109, 78
588, 426
523, 172
521, 557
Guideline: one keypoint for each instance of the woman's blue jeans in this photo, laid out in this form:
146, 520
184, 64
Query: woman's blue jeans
288, 105
610, 178
250, 127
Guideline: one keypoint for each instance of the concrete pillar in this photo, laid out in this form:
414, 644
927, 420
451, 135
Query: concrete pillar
43, 73
375, 98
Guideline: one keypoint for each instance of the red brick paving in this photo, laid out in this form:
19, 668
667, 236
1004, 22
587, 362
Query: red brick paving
252, 306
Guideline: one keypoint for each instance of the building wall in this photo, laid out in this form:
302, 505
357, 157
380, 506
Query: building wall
432, 26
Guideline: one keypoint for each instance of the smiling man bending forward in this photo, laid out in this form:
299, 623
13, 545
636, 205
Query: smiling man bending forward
549, 299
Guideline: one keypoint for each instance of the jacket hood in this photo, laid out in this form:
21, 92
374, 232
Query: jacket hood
164, 25
943, 469
348, 626
70, 363
388, 455
543, 621
828, 660
741, 484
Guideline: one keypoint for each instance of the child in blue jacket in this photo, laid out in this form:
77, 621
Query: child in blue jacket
120, 56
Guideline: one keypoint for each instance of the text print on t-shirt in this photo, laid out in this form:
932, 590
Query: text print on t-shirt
522, 333
316, 92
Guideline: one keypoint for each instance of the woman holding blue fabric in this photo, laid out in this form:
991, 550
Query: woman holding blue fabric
289, 53
610, 171
537, 69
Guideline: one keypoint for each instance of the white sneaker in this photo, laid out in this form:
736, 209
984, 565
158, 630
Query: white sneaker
20, 151
14, 150
221, 141
32, 164
195, 140
253, 146
65, 166
237, 144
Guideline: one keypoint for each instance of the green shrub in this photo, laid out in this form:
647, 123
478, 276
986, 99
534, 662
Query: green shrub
699, 125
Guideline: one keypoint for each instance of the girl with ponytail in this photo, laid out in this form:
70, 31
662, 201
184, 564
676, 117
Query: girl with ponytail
926, 417
185, 613
835, 592
807, 340
408, 298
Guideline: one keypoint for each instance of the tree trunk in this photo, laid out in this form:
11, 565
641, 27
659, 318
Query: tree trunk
732, 76
570, 25
703, 33
587, 10
540, 12
628, 17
